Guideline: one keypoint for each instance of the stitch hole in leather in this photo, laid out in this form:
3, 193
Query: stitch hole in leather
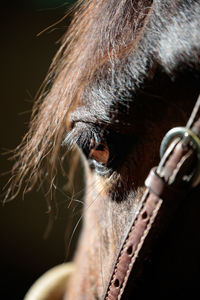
129, 250
116, 283
144, 215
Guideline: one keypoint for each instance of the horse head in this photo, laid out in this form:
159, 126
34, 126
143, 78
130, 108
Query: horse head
127, 71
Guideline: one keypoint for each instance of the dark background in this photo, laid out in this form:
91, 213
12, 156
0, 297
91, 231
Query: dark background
25, 253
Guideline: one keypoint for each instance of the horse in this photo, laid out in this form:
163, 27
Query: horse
126, 72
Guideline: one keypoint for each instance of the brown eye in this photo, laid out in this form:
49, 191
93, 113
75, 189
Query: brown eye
99, 152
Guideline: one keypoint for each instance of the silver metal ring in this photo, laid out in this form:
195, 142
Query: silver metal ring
186, 133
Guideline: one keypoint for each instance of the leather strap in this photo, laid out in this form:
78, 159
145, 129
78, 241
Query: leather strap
166, 187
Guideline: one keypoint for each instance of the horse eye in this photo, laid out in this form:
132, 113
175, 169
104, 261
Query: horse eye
99, 152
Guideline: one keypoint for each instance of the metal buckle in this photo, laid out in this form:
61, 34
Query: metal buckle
187, 134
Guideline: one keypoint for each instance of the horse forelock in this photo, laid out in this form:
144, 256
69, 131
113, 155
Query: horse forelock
96, 31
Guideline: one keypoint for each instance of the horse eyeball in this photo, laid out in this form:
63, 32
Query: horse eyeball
100, 153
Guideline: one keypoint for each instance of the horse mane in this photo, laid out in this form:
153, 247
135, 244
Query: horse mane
102, 34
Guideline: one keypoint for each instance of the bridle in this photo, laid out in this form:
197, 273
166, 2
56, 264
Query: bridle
166, 187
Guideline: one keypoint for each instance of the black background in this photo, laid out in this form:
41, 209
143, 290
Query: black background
25, 57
